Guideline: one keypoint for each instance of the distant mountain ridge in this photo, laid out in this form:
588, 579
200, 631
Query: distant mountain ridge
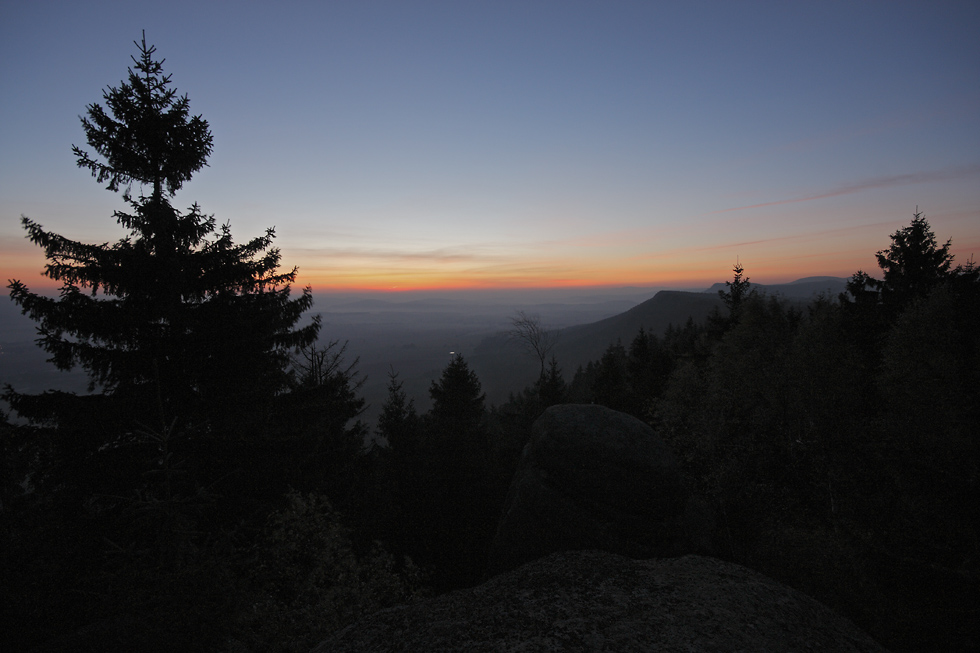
586, 342
805, 288
503, 367
581, 344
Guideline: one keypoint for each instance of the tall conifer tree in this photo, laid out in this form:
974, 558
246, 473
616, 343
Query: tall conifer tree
457, 399
914, 263
175, 315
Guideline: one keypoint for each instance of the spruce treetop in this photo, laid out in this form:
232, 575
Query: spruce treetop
737, 290
457, 397
149, 137
915, 262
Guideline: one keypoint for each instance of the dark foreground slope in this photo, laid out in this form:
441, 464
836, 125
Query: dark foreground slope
595, 601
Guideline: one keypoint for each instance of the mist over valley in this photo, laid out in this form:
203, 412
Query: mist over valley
414, 334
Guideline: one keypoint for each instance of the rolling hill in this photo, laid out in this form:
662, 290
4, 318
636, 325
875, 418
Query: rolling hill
503, 367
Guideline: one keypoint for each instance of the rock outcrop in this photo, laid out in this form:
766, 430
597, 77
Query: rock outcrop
591, 478
596, 601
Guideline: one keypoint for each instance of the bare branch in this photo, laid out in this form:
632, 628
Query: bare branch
534, 338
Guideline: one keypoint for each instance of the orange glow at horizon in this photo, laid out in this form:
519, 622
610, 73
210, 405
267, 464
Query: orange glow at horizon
689, 272
637, 261
516, 275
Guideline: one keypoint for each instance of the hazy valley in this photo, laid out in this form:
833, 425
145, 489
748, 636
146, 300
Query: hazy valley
414, 334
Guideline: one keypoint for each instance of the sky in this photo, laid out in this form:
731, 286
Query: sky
502, 145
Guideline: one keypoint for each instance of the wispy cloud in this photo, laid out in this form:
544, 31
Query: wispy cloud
948, 174
823, 235
442, 255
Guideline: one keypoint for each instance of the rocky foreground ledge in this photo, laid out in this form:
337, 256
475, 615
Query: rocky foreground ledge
595, 601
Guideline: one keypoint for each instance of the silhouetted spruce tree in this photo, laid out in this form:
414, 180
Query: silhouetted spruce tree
916, 330
734, 296
457, 397
551, 388
401, 427
398, 423
175, 316
186, 337
913, 265
460, 512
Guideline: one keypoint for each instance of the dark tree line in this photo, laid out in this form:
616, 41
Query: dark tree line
836, 441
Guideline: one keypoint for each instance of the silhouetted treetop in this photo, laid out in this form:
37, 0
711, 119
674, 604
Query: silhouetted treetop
913, 266
737, 290
915, 262
457, 397
149, 137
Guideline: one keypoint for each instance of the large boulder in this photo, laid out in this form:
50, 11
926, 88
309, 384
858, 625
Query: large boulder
591, 478
596, 601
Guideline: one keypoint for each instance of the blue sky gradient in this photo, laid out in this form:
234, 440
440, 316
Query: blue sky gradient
525, 144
